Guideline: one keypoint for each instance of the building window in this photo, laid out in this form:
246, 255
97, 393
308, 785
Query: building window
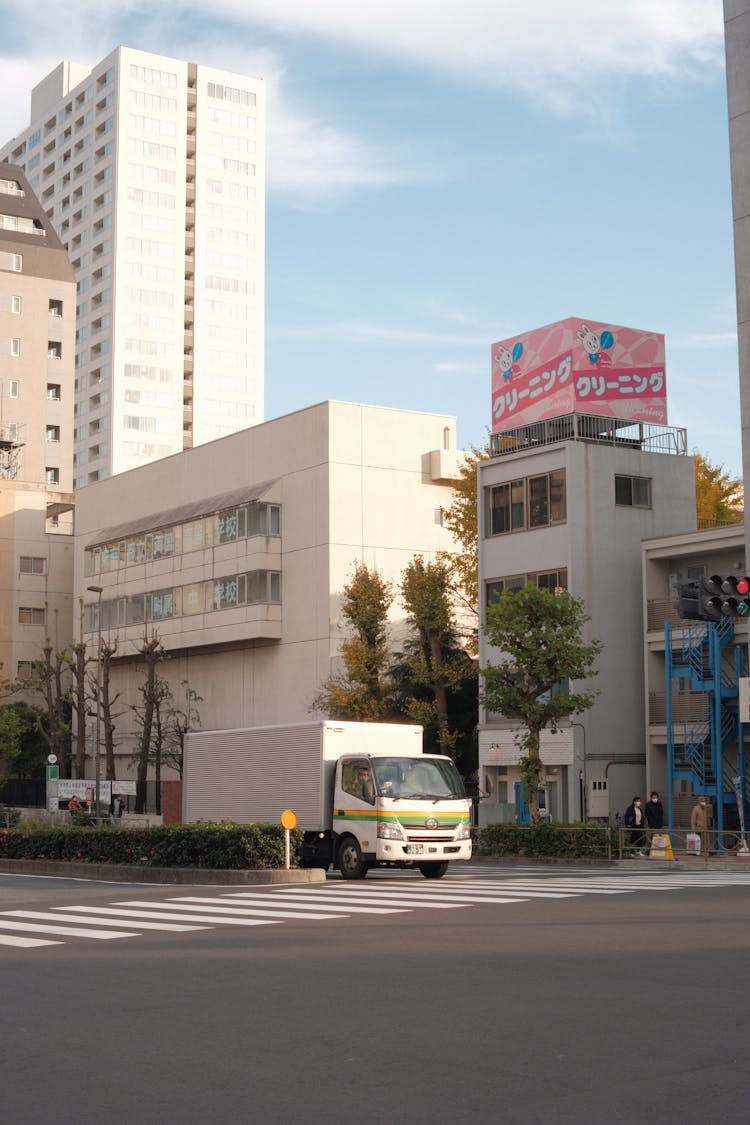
52, 475
15, 346
16, 304
30, 615
54, 349
437, 517
54, 392
55, 308
13, 388
525, 504
17, 263
552, 580
24, 669
33, 564
53, 433
633, 492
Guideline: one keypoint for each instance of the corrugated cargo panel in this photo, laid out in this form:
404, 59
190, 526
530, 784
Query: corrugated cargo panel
253, 775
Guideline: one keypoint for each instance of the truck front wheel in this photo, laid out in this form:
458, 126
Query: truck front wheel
351, 864
433, 870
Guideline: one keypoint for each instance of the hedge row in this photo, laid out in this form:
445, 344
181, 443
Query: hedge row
549, 841
183, 845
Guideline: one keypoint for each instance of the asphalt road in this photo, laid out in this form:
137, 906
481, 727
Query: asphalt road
591, 1009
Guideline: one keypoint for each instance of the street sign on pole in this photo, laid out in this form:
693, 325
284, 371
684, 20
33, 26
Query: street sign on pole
288, 821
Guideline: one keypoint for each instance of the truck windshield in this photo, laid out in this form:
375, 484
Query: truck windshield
430, 779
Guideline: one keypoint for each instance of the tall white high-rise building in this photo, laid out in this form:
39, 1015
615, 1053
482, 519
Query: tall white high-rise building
152, 171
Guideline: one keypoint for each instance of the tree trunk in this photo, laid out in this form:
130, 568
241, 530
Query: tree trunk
79, 673
107, 653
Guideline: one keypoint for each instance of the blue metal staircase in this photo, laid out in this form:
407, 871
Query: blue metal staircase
699, 752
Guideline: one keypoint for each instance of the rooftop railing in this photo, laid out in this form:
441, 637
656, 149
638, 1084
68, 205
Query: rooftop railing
644, 436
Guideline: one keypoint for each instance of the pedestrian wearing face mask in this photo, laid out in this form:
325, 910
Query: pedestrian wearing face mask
635, 821
654, 813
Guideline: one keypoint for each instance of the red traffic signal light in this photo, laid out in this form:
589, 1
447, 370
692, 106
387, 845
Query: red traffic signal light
713, 597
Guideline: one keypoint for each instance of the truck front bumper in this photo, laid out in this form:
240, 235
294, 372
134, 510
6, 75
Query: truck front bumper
426, 851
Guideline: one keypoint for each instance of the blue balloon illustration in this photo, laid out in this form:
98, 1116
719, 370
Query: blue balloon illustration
607, 339
517, 351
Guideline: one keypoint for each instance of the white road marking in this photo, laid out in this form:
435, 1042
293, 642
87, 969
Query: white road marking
61, 931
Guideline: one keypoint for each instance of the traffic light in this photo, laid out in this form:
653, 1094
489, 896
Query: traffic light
735, 596
714, 597
688, 602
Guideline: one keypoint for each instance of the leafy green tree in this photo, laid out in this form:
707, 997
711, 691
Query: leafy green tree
719, 497
540, 637
362, 692
436, 663
23, 747
461, 518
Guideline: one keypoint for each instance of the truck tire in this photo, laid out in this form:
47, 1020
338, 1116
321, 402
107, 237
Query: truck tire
350, 862
433, 870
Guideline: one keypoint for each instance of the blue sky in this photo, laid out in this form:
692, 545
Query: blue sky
440, 179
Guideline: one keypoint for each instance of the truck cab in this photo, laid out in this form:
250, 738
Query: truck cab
397, 811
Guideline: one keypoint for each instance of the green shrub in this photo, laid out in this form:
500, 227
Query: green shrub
546, 841
220, 846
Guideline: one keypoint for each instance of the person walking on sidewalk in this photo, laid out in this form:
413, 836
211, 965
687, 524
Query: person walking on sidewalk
699, 822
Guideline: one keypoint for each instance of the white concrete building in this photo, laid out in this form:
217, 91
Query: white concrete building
37, 343
152, 171
566, 503
237, 552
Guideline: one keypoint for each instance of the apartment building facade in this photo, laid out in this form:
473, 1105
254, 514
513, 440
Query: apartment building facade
691, 675
236, 554
565, 503
152, 171
37, 349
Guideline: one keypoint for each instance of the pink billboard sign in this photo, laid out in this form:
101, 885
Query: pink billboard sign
578, 366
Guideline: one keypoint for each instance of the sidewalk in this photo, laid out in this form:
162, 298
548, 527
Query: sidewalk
132, 873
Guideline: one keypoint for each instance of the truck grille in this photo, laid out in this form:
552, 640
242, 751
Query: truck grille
424, 838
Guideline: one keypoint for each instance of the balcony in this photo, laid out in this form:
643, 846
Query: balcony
687, 707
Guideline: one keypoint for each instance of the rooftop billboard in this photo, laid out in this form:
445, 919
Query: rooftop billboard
582, 367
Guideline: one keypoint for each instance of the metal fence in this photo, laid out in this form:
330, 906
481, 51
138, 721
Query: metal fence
646, 436
681, 843
22, 793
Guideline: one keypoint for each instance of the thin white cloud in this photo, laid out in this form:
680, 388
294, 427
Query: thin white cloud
561, 56
554, 53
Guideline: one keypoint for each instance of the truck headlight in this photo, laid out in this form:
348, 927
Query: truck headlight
464, 831
390, 830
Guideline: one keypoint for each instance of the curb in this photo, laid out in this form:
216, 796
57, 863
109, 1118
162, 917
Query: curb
125, 873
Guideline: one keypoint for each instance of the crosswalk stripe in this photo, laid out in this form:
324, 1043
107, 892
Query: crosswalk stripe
78, 914
25, 942
414, 895
251, 896
259, 911
148, 911
405, 899
562, 890
61, 931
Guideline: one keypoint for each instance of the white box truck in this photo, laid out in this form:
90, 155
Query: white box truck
364, 793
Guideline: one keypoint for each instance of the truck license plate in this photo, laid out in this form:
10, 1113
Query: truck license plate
414, 849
